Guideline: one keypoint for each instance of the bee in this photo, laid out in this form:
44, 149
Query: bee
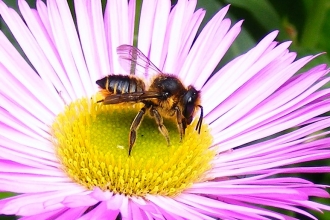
165, 97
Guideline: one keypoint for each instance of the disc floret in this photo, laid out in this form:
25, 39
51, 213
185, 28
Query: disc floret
91, 141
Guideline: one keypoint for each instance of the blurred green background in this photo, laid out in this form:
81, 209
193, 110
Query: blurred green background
304, 22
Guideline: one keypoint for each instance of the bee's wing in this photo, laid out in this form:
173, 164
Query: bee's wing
133, 61
130, 97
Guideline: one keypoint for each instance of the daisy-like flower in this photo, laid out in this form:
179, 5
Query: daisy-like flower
66, 155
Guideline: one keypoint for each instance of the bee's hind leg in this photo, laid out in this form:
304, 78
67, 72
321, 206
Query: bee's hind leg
135, 125
161, 126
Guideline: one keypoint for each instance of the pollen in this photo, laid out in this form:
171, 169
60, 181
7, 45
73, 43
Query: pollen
91, 142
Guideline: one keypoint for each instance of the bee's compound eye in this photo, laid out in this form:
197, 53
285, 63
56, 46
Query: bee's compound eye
189, 111
189, 120
189, 104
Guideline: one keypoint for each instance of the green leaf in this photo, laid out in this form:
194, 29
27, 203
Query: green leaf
263, 11
6, 195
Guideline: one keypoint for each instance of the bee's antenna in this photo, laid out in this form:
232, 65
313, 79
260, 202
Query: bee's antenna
200, 120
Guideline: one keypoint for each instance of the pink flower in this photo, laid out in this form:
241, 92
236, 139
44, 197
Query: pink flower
47, 151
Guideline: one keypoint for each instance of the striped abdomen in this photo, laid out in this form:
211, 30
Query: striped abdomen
119, 84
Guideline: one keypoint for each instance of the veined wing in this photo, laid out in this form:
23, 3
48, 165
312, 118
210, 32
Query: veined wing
130, 97
134, 61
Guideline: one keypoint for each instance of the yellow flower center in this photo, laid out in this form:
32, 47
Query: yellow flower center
91, 141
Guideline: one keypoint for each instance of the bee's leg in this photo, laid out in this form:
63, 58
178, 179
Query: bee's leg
161, 126
135, 125
181, 122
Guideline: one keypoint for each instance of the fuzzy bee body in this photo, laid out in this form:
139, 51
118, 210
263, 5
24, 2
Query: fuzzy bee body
165, 97
120, 84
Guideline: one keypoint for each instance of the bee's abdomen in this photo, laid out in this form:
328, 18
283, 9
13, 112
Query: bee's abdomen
119, 84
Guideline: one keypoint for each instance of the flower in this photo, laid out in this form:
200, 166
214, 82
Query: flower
50, 118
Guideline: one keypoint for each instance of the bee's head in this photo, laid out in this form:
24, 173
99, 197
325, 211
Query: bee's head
191, 100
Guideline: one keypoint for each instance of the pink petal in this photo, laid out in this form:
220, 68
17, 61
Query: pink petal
136, 212
67, 44
218, 205
100, 212
73, 213
46, 215
159, 30
235, 74
94, 45
18, 67
116, 30
173, 207
31, 204
24, 126
79, 200
13, 167
48, 59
